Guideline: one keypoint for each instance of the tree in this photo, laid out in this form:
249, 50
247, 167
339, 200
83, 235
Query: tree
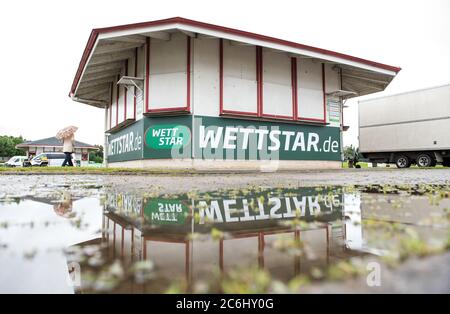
97, 155
8, 146
351, 154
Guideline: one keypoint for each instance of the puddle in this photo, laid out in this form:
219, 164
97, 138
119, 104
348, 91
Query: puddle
247, 240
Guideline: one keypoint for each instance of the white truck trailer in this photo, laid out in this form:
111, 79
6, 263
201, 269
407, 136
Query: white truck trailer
407, 128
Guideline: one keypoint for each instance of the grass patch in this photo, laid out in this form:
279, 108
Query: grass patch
391, 166
85, 170
362, 164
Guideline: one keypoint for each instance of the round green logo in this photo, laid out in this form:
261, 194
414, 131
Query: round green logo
167, 136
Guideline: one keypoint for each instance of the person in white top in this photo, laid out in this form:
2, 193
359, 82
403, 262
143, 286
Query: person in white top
68, 150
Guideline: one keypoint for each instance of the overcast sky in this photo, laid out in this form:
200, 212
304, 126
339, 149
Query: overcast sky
42, 42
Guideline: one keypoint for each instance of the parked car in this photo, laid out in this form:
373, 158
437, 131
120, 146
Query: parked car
49, 159
16, 161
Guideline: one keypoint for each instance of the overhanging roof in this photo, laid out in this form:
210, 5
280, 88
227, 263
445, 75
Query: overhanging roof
53, 142
108, 49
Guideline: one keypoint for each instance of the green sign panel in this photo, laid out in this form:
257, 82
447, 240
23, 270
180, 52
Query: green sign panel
167, 136
126, 144
223, 138
166, 211
220, 138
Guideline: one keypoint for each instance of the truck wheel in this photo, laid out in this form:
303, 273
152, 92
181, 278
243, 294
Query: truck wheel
402, 161
424, 160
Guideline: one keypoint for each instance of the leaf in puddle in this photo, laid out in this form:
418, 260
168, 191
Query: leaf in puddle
143, 271
246, 280
317, 273
116, 269
216, 234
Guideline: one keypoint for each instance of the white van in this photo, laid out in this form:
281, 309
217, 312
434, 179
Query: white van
49, 159
16, 161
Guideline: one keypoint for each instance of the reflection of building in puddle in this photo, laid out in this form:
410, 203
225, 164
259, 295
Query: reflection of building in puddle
352, 214
254, 224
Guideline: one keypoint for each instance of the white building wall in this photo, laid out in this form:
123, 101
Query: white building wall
141, 74
240, 81
121, 100
107, 124
130, 91
168, 75
309, 89
277, 83
332, 79
206, 81
334, 104
239, 77
113, 105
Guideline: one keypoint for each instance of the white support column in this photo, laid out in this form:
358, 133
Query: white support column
105, 144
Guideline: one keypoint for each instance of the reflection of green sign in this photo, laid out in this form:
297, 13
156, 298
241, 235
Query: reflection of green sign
164, 211
167, 136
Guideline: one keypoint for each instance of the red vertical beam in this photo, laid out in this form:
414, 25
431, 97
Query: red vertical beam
125, 94
324, 95
297, 258
110, 106
259, 80
221, 254
147, 73
258, 106
187, 261
294, 88
345, 236
328, 243
144, 253
117, 101
221, 75
261, 250
188, 73
132, 244
342, 107
114, 240
135, 75
122, 244
107, 228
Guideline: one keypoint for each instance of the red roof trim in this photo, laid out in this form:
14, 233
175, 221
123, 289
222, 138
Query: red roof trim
95, 32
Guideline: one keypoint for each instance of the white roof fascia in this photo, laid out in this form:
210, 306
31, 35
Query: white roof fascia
252, 41
85, 66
